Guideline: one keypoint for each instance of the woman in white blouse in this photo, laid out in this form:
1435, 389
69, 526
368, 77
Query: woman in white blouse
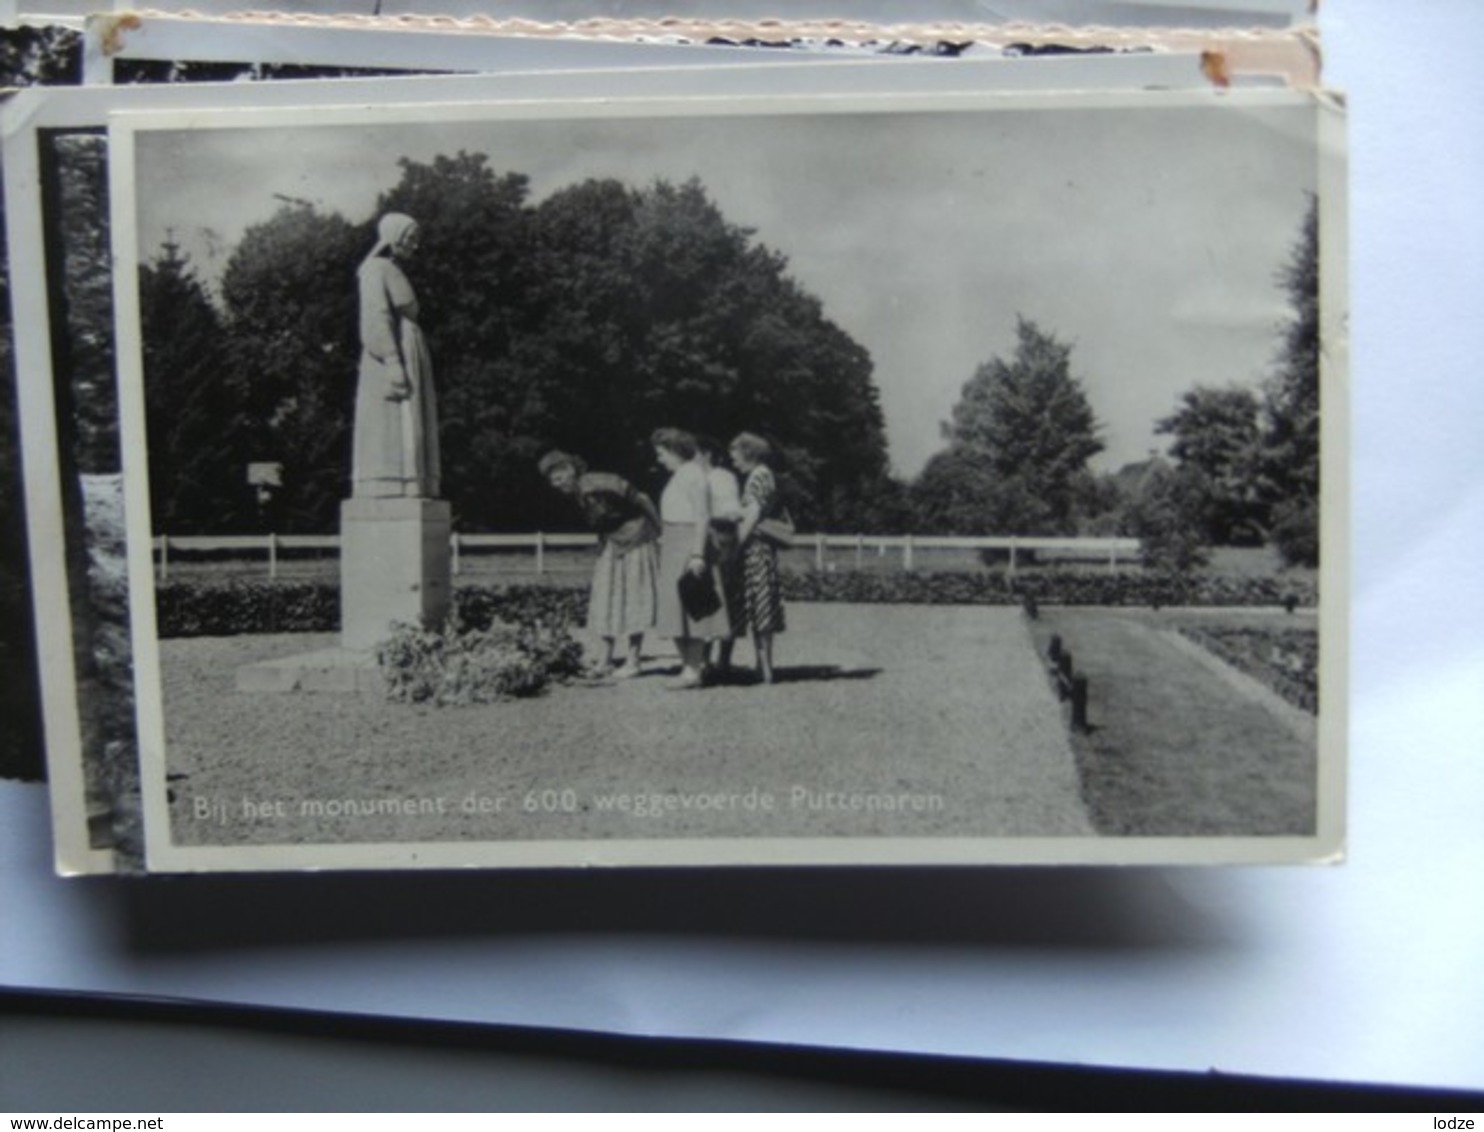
692, 603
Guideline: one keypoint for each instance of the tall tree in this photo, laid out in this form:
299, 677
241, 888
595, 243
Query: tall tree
200, 432
691, 321
1218, 446
290, 298
1018, 446
585, 321
1291, 407
607, 310
474, 277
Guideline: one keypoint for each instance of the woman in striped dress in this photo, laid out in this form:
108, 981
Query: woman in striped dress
762, 597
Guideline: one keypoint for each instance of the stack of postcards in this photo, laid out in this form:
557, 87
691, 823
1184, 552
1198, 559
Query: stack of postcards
487, 435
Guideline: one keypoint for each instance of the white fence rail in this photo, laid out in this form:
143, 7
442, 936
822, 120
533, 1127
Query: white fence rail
1111, 550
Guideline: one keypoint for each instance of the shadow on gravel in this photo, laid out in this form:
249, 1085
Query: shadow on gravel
794, 674
808, 673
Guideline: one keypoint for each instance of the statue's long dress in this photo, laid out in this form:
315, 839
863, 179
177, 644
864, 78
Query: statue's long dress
395, 451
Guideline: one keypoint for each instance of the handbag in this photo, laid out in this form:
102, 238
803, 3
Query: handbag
698, 595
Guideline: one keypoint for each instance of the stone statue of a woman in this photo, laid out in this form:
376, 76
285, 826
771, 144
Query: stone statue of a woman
395, 452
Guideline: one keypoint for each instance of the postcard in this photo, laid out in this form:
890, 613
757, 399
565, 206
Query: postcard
407, 628
583, 16
54, 138
809, 286
1231, 46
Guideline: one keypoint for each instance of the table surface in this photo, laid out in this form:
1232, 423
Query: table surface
1365, 972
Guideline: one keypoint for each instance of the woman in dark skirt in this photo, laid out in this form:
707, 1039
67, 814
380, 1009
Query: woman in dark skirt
721, 543
761, 602
622, 602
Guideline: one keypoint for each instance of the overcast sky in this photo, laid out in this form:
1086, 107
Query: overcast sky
1150, 239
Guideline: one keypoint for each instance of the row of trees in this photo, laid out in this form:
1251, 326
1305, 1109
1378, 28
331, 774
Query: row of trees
1247, 459
1243, 463
590, 318
584, 321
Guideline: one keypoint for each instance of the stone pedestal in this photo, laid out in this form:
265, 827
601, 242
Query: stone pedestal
394, 567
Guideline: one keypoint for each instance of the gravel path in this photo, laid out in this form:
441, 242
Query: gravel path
887, 721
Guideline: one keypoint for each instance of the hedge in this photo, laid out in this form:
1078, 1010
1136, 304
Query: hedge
1050, 587
196, 609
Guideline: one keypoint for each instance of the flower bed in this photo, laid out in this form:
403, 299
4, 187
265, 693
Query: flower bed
463, 665
1286, 659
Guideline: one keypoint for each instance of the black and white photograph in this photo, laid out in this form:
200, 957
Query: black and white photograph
792, 480
58, 228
